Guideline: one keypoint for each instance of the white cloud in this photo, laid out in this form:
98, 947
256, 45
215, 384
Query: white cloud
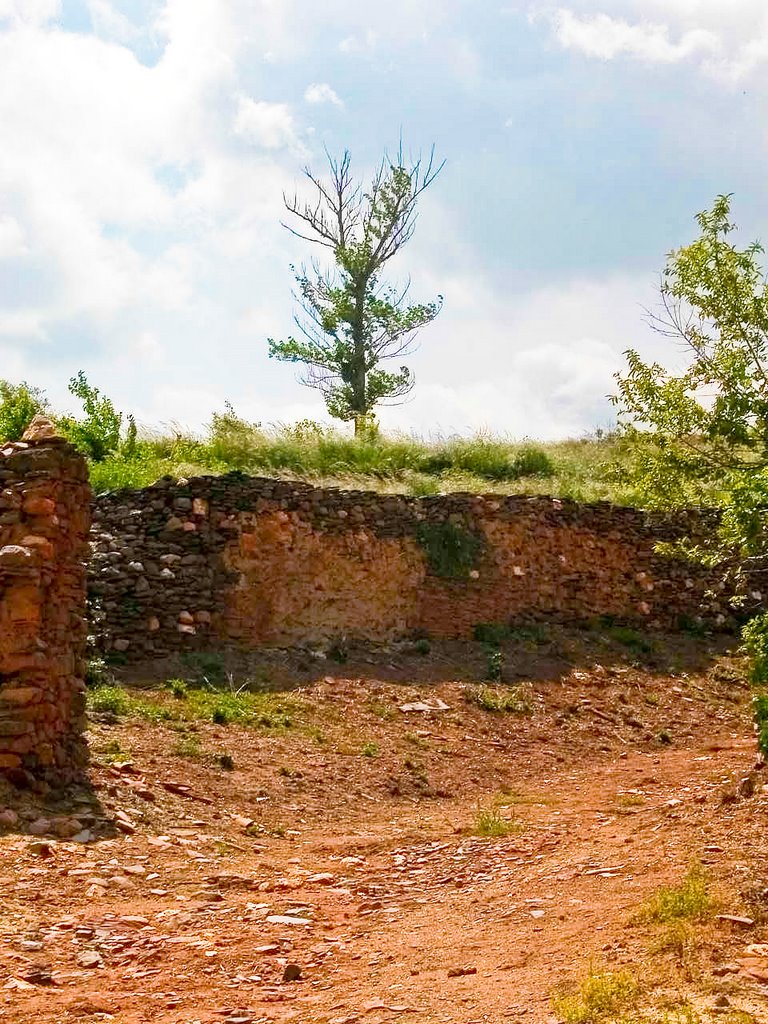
270, 125
727, 41
29, 12
107, 21
12, 239
606, 38
321, 92
364, 42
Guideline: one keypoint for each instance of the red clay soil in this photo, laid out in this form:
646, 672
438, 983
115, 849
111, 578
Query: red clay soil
343, 853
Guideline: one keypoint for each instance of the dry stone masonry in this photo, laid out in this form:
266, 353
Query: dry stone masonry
44, 522
251, 562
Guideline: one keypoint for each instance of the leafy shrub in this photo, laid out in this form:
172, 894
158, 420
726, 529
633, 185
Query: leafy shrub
109, 699
452, 552
498, 700
531, 461
688, 900
492, 824
494, 666
601, 996
97, 673
97, 435
19, 404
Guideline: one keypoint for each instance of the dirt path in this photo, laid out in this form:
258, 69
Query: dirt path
388, 905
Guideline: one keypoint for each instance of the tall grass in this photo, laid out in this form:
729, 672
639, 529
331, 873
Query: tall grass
406, 464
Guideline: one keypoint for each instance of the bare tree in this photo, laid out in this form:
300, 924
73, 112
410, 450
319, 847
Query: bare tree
349, 319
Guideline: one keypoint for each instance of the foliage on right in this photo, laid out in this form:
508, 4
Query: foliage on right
701, 434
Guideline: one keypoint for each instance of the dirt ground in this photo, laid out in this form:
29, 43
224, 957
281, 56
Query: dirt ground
339, 843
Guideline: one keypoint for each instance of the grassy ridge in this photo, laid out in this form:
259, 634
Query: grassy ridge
584, 470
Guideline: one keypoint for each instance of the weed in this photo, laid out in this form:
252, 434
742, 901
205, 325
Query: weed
205, 667
515, 700
630, 800
630, 638
289, 773
600, 996
113, 751
489, 822
679, 938
452, 551
416, 741
109, 700
651, 699
178, 688
97, 674
225, 761
494, 668
494, 633
761, 719
664, 738
421, 646
370, 750
383, 711
188, 746
690, 900
531, 461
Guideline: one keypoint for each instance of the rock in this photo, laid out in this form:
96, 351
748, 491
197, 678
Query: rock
323, 878
288, 919
746, 787
461, 972
89, 958
40, 849
39, 827
8, 818
292, 972
739, 922
41, 428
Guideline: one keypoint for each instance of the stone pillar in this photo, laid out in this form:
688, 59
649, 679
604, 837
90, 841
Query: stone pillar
44, 522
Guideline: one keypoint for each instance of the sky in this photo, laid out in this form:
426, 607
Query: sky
146, 146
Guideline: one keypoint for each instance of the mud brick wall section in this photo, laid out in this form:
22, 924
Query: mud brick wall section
44, 523
254, 562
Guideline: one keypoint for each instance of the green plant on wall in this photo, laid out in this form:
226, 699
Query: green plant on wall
452, 551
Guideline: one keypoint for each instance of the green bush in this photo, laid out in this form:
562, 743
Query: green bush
531, 461
19, 404
97, 435
109, 699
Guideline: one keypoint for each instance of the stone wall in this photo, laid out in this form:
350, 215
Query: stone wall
255, 562
44, 523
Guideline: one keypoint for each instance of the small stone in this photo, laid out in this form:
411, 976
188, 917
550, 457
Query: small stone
292, 972
41, 849
121, 644
323, 878
739, 922
287, 919
461, 972
89, 958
